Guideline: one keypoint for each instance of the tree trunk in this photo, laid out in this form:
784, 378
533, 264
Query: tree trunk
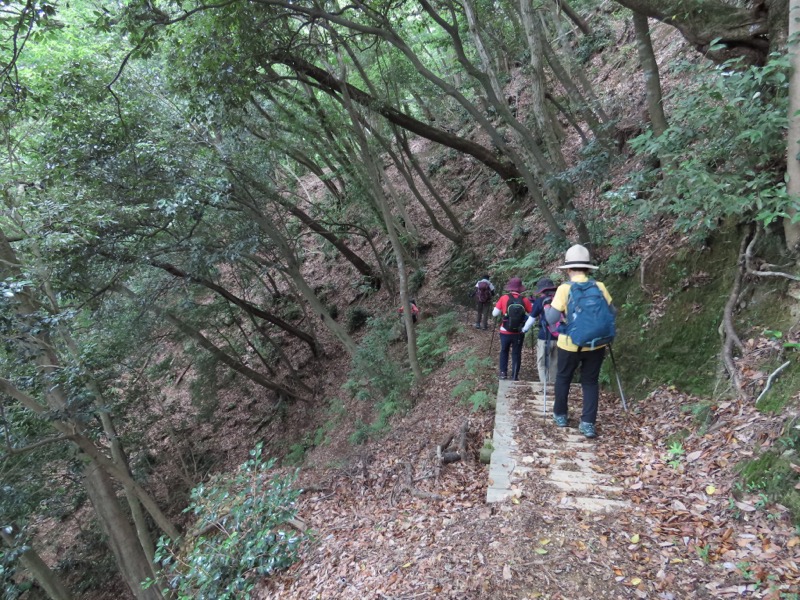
37, 568
792, 229
537, 86
574, 17
652, 81
377, 190
292, 269
742, 32
246, 306
507, 171
222, 356
121, 537
132, 562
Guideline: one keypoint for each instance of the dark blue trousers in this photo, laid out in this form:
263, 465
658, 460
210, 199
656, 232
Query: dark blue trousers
511, 342
590, 362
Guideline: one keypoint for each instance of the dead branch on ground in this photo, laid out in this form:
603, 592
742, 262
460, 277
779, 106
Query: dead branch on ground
406, 484
771, 378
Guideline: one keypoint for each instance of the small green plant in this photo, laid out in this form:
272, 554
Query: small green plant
702, 552
378, 377
357, 317
242, 535
721, 156
746, 570
675, 452
468, 377
433, 340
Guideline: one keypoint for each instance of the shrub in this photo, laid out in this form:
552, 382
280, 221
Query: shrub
243, 534
723, 155
357, 317
432, 340
378, 377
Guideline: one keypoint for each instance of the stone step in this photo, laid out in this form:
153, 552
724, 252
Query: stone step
594, 504
508, 469
576, 477
578, 487
581, 455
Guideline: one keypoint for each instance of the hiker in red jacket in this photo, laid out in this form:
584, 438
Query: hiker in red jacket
514, 309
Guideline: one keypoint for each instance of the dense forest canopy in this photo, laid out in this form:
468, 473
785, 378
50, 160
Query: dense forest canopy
158, 212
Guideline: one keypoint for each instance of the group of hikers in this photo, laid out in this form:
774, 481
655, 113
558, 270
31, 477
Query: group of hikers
575, 325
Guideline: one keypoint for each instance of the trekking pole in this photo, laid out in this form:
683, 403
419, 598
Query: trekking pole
546, 371
619, 383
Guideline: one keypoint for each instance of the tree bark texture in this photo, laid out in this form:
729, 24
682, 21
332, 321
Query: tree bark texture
792, 229
652, 81
37, 568
748, 33
122, 539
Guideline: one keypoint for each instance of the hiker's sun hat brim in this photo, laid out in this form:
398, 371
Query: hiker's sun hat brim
545, 284
577, 265
515, 285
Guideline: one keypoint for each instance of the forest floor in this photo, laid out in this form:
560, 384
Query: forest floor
691, 532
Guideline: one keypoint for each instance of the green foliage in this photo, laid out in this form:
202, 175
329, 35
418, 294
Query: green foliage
297, 451
528, 267
771, 473
248, 537
378, 377
415, 281
589, 45
432, 340
357, 317
723, 154
470, 376
9, 584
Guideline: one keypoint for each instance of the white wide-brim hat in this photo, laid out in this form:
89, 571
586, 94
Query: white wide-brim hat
577, 257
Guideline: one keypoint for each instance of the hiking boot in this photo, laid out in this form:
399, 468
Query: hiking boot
561, 420
503, 375
485, 327
587, 429
478, 326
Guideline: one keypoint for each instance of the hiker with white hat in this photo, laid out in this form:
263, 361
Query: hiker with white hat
585, 305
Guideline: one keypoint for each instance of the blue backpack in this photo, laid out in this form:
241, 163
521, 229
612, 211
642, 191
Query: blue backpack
590, 320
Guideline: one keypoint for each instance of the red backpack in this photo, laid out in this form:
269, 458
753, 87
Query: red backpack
484, 292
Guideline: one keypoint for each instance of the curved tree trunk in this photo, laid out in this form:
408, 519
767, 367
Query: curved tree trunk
246, 306
222, 356
329, 83
575, 17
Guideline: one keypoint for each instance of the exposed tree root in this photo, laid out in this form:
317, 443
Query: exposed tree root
730, 339
751, 270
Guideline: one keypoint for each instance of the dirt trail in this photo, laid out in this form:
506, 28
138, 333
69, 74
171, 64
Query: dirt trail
689, 533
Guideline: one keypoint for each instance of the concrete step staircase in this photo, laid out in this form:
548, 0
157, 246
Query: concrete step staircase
566, 457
